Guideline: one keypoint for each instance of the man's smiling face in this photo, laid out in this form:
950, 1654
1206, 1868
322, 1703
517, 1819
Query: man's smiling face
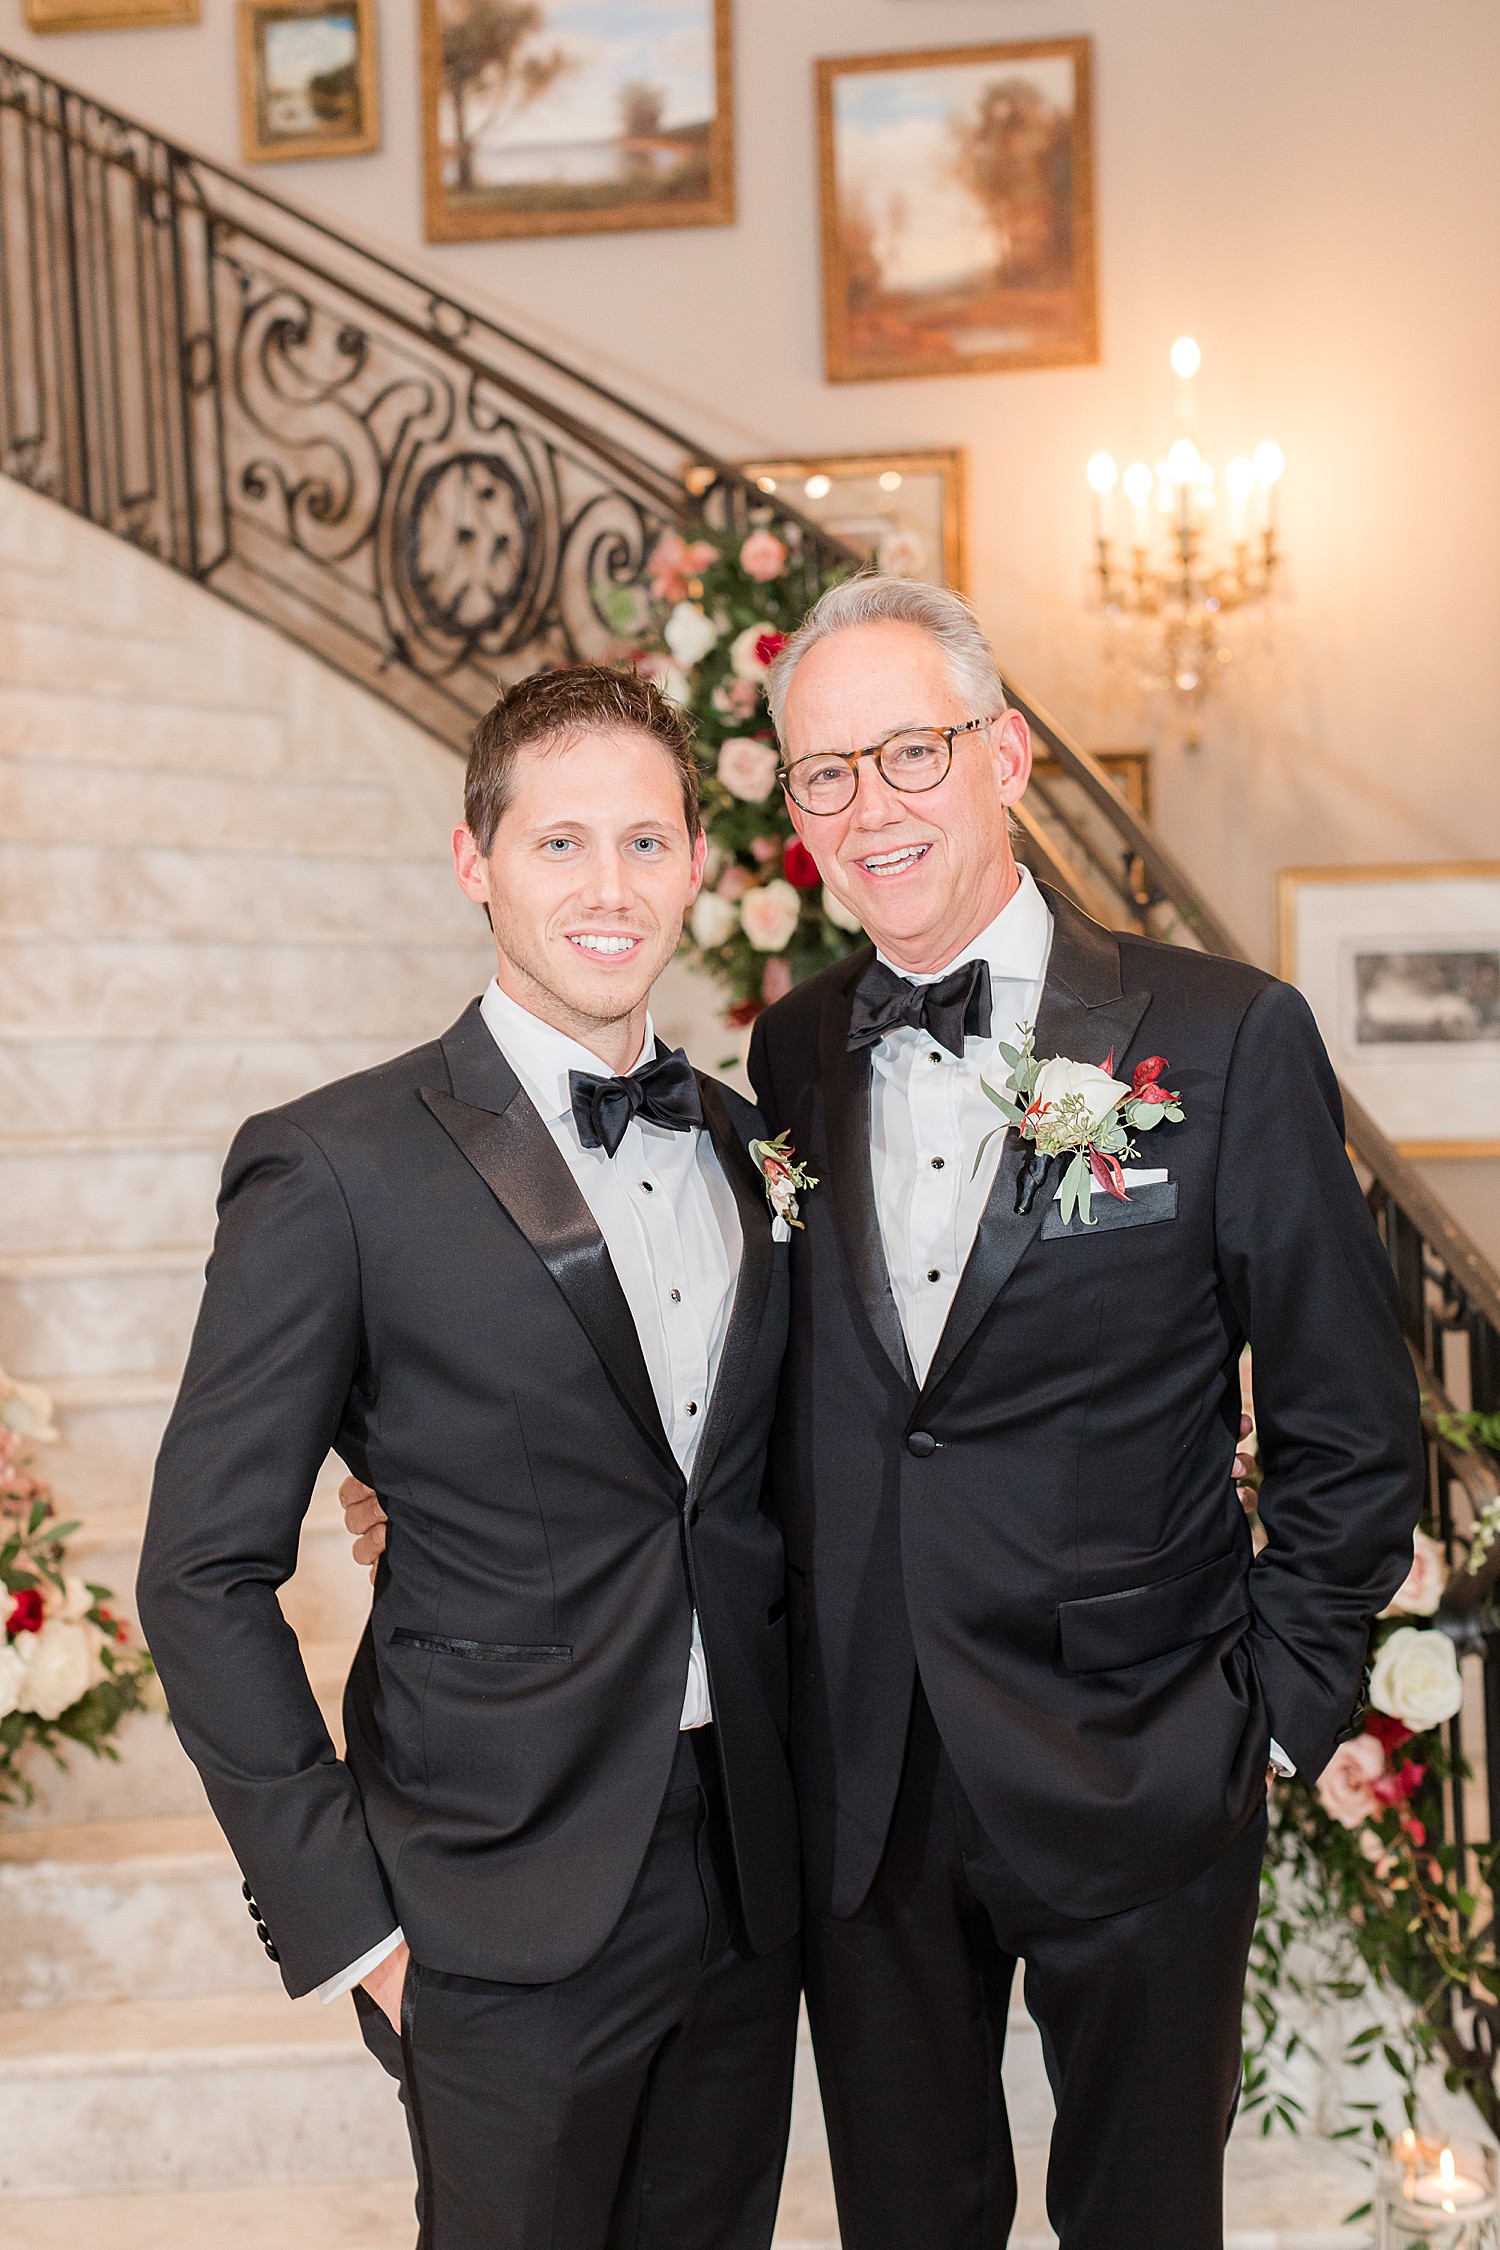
587, 881
924, 873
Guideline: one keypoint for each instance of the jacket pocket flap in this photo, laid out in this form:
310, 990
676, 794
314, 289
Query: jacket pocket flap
1104, 1631
1157, 1200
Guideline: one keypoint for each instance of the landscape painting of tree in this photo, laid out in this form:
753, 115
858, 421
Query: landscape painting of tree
958, 231
572, 116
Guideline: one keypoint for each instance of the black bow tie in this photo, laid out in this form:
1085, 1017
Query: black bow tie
956, 1006
664, 1093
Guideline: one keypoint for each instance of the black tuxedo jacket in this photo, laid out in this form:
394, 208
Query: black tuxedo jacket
405, 1272
1047, 1528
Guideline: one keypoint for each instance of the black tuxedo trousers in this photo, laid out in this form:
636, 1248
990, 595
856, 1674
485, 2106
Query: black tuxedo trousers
1044, 1532
406, 1273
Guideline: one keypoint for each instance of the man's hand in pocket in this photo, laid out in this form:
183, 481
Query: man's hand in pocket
387, 1980
364, 1520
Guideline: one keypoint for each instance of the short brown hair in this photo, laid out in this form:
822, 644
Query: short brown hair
549, 707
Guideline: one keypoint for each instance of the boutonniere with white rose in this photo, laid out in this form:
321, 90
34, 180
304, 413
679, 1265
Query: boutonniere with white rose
1080, 1111
785, 1180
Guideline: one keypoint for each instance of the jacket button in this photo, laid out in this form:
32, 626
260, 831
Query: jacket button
921, 1443
694, 1512
246, 1892
253, 1911
262, 1933
272, 1954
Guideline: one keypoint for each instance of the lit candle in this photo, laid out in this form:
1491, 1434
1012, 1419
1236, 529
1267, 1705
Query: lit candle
1103, 477
1139, 486
1448, 2190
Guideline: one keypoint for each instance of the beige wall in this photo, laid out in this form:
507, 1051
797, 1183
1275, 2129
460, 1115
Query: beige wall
1312, 187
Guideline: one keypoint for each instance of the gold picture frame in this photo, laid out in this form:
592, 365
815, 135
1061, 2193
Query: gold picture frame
309, 79
108, 15
906, 511
1400, 964
655, 171
957, 196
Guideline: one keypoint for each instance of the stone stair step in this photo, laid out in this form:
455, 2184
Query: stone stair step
215, 667
228, 2090
47, 801
62, 724
348, 2215
116, 1191
55, 1078
104, 1910
314, 888
152, 986
99, 1312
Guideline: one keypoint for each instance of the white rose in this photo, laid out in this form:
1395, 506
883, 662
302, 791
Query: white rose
1422, 1588
1060, 1077
676, 687
1415, 1678
770, 914
12, 1673
713, 920
27, 1409
747, 768
742, 652
61, 1664
689, 634
841, 916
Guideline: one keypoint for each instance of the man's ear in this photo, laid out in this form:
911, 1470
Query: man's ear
1011, 749
470, 867
700, 861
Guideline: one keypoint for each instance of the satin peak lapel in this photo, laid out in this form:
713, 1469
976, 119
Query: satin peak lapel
742, 1336
851, 1183
1086, 1016
490, 1120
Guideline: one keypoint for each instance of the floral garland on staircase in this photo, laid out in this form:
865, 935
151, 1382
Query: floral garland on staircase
68, 1671
708, 622
1367, 1905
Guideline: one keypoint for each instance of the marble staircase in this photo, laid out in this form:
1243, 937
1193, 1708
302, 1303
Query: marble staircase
223, 879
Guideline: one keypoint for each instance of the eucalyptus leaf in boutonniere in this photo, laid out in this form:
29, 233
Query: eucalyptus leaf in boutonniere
1080, 1111
785, 1179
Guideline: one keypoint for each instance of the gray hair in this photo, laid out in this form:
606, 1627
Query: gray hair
872, 600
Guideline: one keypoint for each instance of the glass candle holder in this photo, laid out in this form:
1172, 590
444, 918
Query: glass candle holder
1440, 2194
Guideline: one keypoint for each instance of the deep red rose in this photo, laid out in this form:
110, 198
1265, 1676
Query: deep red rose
768, 647
799, 867
1395, 1787
1388, 1732
26, 1611
743, 1012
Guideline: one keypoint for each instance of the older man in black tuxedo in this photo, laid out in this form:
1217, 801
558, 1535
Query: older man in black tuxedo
1037, 1670
524, 1281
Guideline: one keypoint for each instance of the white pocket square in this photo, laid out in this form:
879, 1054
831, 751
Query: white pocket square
1128, 1180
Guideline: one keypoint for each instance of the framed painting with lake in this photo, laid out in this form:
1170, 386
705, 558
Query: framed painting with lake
958, 215
903, 512
576, 116
309, 79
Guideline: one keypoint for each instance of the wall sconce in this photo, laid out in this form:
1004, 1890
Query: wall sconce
1180, 549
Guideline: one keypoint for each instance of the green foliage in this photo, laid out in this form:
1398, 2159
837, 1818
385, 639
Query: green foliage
748, 840
1382, 1919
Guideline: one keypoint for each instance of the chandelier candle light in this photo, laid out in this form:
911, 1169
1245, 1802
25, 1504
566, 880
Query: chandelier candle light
1179, 548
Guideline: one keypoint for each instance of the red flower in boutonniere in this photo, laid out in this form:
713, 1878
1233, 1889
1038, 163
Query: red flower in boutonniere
1080, 1111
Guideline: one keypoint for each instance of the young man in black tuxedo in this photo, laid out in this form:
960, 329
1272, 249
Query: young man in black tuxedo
1037, 1673
523, 1281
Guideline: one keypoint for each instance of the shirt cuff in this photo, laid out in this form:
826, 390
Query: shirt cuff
1280, 1761
358, 1970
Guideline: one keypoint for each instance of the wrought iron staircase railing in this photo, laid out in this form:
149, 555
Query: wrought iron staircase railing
431, 502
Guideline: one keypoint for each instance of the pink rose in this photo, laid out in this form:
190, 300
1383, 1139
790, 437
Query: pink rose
1422, 1588
762, 556
673, 562
1346, 1786
734, 882
769, 915
737, 699
776, 983
747, 768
